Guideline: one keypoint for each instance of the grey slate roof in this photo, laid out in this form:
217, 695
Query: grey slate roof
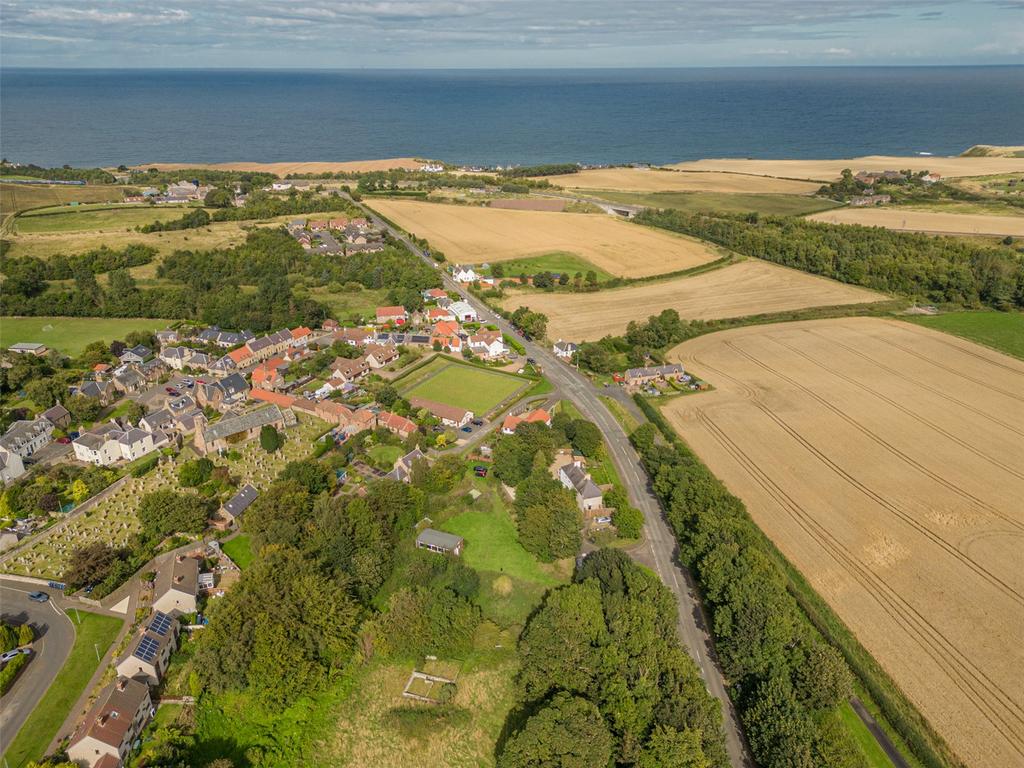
240, 502
235, 424
440, 539
581, 481
658, 370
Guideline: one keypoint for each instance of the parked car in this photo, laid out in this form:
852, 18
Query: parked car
482, 472
38, 597
467, 429
16, 652
64, 440
169, 390
477, 422
531, 361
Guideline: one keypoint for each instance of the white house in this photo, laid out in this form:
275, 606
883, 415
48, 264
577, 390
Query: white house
176, 357
463, 311
110, 442
177, 584
464, 274
113, 724
574, 477
11, 466
281, 186
564, 349
25, 437
147, 656
487, 344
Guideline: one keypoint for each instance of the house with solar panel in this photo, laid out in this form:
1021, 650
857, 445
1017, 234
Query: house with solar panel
115, 721
177, 584
148, 655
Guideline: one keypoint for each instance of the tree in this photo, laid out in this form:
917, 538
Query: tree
90, 563
270, 438
822, 681
83, 408
669, 748
79, 491
221, 197
310, 474
165, 512
586, 438
547, 516
627, 519
195, 472
567, 731
387, 395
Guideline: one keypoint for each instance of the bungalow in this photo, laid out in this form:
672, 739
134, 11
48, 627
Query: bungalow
439, 541
11, 466
101, 370
167, 336
463, 311
402, 471
103, 391
464, 274
233, 509
395, 314
397, 425
58, 415
147, 656
574, 477
338, 223
25, 437
433, 294
281, 186
641, 376
113, 724
136, 354
237, 429
440, 315
487, 344
129, 380
865, 200
317, 225
177, 586
450, 415
28, 348
176, 357
378, 356
564, 349
355, 337
345, 369
223, 394
536, 416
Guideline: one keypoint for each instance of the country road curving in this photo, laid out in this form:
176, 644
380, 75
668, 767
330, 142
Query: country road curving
659, 549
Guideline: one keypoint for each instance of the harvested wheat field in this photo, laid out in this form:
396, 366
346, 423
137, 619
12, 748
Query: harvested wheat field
925, 221
283, 169
827, 170
750, 287
471, 235
886, 461
660, 180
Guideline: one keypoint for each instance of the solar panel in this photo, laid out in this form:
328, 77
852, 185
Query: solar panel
147, 649
161, 623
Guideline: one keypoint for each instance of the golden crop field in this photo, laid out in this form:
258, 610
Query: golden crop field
750, 287
925, 221
886, 461
827, 170
472, 235
282, 169
660, 180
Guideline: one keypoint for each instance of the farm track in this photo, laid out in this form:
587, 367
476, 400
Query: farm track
972, 681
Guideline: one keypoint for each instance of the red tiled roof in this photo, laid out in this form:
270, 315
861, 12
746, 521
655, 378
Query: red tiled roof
300, 332
284, 401
446, 328
101, 367
441, 410
390, 312
395, 422
240, 355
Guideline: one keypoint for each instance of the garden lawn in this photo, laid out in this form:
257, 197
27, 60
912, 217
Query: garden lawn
239, 549
1000, 330
48, 716
558, 262
465, 386
384, 456
70, 335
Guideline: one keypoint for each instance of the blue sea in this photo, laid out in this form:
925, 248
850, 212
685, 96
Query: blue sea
108, 117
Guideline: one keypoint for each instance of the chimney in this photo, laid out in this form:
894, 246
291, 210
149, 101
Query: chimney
122, 683
179, 558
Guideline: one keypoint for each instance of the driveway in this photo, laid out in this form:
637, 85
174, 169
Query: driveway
156, 396
55, 635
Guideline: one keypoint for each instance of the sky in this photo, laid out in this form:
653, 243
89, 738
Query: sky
313, 34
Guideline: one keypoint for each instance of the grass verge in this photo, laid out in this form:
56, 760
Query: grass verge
94, 633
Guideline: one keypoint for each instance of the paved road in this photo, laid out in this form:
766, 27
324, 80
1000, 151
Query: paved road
55, 635
659, 548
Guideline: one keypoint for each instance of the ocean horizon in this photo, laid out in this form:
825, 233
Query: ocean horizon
87, 117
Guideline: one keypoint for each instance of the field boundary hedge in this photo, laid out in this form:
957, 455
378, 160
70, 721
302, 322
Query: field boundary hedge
926, 745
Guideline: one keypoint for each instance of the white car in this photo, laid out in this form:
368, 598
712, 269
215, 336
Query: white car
4, 658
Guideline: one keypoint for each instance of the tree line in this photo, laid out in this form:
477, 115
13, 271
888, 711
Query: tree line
603, 680
933, 268
64, 173
547, 169
193, 219
263, 205
786, 681
26, 274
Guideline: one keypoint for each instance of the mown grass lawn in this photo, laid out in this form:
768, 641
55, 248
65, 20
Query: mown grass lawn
466, 386
1000, 330
559, 262
384, 456
48, 716
239, 549
70, 335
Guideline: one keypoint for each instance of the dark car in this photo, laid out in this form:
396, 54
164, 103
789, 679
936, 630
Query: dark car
38, 597
467, 429
480, 471
477, 422
174, 393
531, 361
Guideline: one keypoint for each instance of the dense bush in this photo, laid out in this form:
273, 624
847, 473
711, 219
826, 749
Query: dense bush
193, 219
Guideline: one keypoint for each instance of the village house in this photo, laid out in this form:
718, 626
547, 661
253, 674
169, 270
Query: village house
345, 369
402, 471
464, 274
536, 416
488, 344
110, 442
397, 425
28, 348
104, 391
232, 430
433, 294
864, 200
136, 354
128, 380
463, 311
564, 349
378, 356
223, 394
639, 376
440, 315
101, 371
176, 357
185, 189
11, 466
24, 437
267, 346
58, 415
225, 339
167, 336
233, 509
574, 477
112, 725
147, 656
450, 415
354, 337
440, 542
446, 335
176, 586
396, 315
269, 374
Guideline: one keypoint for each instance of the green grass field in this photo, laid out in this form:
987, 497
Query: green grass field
70, 335
1000, 330
384, 456
874, 754
723, 202
466, 386
556, 261
349, 305
106, 218
20, 197
48, 716
239, 549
